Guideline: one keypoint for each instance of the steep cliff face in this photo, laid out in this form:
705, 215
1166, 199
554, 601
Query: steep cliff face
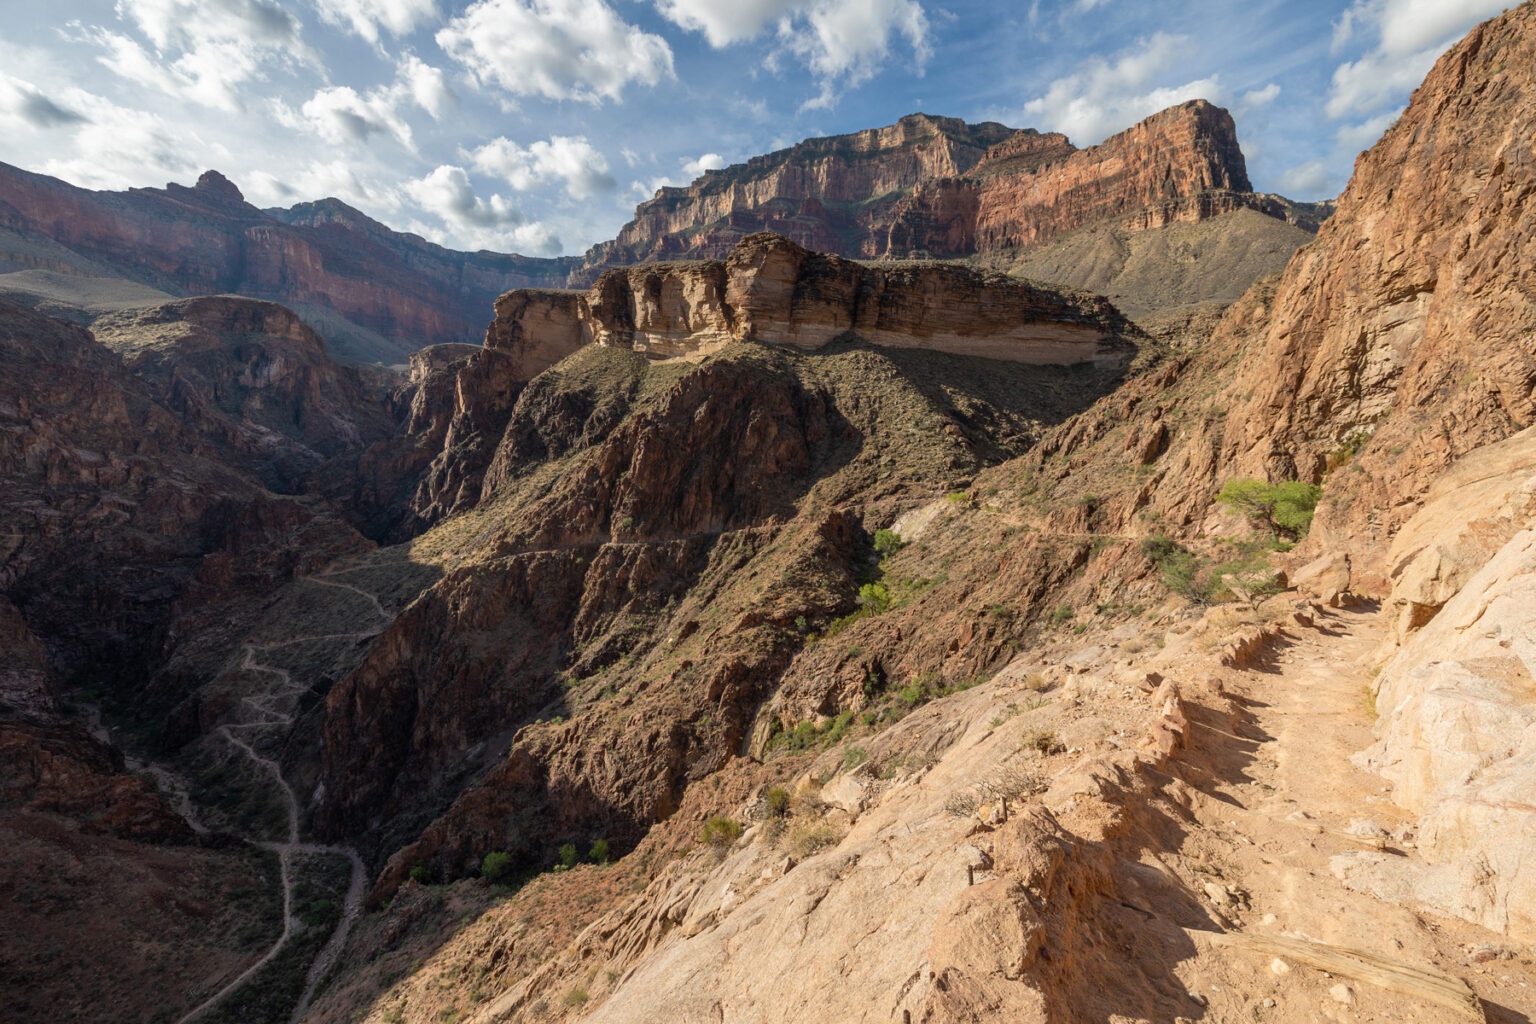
827, 194
939, 187
206, 239
1405, 332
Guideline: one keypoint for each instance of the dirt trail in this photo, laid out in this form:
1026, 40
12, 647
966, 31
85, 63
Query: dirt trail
1272, 812
273, 709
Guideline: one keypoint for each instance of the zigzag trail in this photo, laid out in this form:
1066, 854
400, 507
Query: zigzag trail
272, 709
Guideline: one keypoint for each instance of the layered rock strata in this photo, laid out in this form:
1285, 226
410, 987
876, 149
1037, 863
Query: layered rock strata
771, 290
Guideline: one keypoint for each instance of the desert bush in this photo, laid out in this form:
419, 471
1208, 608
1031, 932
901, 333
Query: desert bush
421, 873
600, 854
1044, 741
777, 801
565, 857
888, 542
808, 835
962, 804
720, 831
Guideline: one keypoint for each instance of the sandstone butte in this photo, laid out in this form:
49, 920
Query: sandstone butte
739, 639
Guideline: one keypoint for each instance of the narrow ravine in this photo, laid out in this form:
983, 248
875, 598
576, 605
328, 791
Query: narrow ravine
272, 710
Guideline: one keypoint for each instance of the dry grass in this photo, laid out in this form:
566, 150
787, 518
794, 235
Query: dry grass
806, 836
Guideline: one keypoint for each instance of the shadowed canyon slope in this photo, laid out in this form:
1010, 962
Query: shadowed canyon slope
776, 636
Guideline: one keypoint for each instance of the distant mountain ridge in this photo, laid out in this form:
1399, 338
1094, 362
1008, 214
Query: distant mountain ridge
923, 187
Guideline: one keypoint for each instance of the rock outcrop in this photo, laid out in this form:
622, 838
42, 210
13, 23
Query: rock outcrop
1457, 733
768, 289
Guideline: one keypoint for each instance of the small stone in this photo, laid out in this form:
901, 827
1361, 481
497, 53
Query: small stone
1268, 919
1218, 894
1342, 994
1268, 1004
1279, 966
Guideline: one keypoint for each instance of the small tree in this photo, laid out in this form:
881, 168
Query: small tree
1286, 507
600, 853
720, 831
888, 542
496, 868
566, 857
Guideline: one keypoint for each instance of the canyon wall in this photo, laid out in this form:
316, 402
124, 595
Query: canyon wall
937, 186
206, 239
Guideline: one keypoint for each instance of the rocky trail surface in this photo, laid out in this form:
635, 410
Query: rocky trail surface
1272, 799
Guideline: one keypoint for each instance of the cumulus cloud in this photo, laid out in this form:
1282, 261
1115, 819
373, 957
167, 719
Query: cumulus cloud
1253, 99
841, 42
1410, 35
428, 86
494, 223
116, 146
708, 162
341, 114
571, 162
366, 18
448, 193
1356, 137
1106, 97
558, 49
23, 102
202, 50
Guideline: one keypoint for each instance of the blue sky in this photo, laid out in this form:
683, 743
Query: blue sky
534, 126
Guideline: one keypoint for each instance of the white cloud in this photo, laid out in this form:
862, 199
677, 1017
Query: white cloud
366, 18
22, 103
1410, 35
1256, 98
203, 50
448, 193
559, 49
428, 86
707, 162
1312, 179
319, 179
570, 161
340, 114
116, 146
1356, 137
1105, 97
841, 42
493, 223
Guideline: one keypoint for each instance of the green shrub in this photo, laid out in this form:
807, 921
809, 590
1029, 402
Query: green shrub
888, 542
838, 727
599, 854
566, 857
913, 695
576, 997
777, 799
1063, 614
421, 873
496, 868
720, 831
1180, 569
854, 756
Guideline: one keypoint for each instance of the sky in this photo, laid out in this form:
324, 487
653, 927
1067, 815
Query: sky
535, 126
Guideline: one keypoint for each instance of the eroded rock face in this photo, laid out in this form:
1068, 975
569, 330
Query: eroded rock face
771, 290
1457, 733
1404, 332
